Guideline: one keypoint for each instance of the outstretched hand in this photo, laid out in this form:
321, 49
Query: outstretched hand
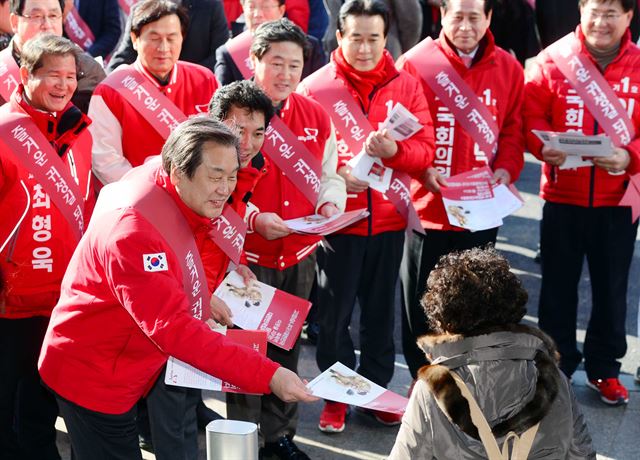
287, 386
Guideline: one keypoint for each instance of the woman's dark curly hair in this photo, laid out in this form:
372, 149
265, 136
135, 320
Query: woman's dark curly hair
473, 290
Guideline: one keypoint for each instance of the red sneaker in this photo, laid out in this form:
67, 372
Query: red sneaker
386, 418
611, 391
332, 417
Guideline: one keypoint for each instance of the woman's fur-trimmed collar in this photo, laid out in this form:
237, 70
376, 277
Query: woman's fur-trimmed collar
443, 387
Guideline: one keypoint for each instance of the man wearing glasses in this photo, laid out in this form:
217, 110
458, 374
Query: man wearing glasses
30, 18
588, 82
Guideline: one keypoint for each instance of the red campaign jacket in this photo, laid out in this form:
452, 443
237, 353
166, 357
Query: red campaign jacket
414, 154
215, 261
116, 324
276, 193
498, 80
33, 287
552, 104
122, 138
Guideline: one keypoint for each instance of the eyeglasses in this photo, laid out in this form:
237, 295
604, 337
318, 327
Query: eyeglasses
41, 18
605, 17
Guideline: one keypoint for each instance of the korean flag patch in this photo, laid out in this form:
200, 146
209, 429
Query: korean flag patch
155, 262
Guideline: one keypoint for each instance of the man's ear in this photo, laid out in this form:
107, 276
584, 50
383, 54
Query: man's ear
24, 75
338, 36
13, 20
134, 41
176, 175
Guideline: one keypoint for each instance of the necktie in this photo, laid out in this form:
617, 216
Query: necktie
466, 60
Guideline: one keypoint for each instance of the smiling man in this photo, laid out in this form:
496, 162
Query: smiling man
233, 56
300, 183
136, 293
30, 18
146, 100
581, 215
38, 232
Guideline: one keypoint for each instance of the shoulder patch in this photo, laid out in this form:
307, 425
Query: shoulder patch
155, 262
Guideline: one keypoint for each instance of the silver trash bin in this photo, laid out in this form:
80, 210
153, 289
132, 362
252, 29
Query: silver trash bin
232, 439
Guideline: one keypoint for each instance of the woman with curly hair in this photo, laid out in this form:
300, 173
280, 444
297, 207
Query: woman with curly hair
493, 381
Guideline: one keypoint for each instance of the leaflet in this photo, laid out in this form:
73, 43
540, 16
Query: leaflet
181, 374
258, 306
371, 170
401, 125
316, 224
578, 147
341, 384
473, 203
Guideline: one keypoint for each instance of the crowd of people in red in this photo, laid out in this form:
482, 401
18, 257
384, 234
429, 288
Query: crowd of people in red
129, 128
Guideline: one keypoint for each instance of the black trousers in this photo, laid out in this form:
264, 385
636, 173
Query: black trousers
28, 411
172, 420
275, 417
98, 436
363, 268
421, 254
606, 236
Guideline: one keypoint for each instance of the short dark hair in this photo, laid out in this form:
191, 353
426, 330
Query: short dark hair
364, 8
17, 6
183, 148
243, 94
35, 50
488, 5
149, 11
281, 30
627, 5
473, 290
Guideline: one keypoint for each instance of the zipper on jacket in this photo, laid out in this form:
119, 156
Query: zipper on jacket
366, 114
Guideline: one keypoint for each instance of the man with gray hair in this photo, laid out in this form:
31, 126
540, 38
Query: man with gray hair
45, 195
136, 293
30, 18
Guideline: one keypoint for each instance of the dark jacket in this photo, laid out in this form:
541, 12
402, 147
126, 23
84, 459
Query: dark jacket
207, 31
227, 72
103, 18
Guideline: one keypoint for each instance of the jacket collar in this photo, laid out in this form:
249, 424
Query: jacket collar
625, 43
173, 77
485, 52
443, 346
61, 129
196, 222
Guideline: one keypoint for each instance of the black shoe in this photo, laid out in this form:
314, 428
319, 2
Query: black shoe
283, 449
206, 415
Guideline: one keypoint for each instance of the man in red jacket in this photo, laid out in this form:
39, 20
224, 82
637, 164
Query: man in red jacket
136, 293
146, 100
493, 76
302, 133
581, 215
243, 106
365, 258
37, 232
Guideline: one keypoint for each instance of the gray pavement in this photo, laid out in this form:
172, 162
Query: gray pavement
615, 430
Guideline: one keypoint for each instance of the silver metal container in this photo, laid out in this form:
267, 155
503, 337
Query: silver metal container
231, 440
